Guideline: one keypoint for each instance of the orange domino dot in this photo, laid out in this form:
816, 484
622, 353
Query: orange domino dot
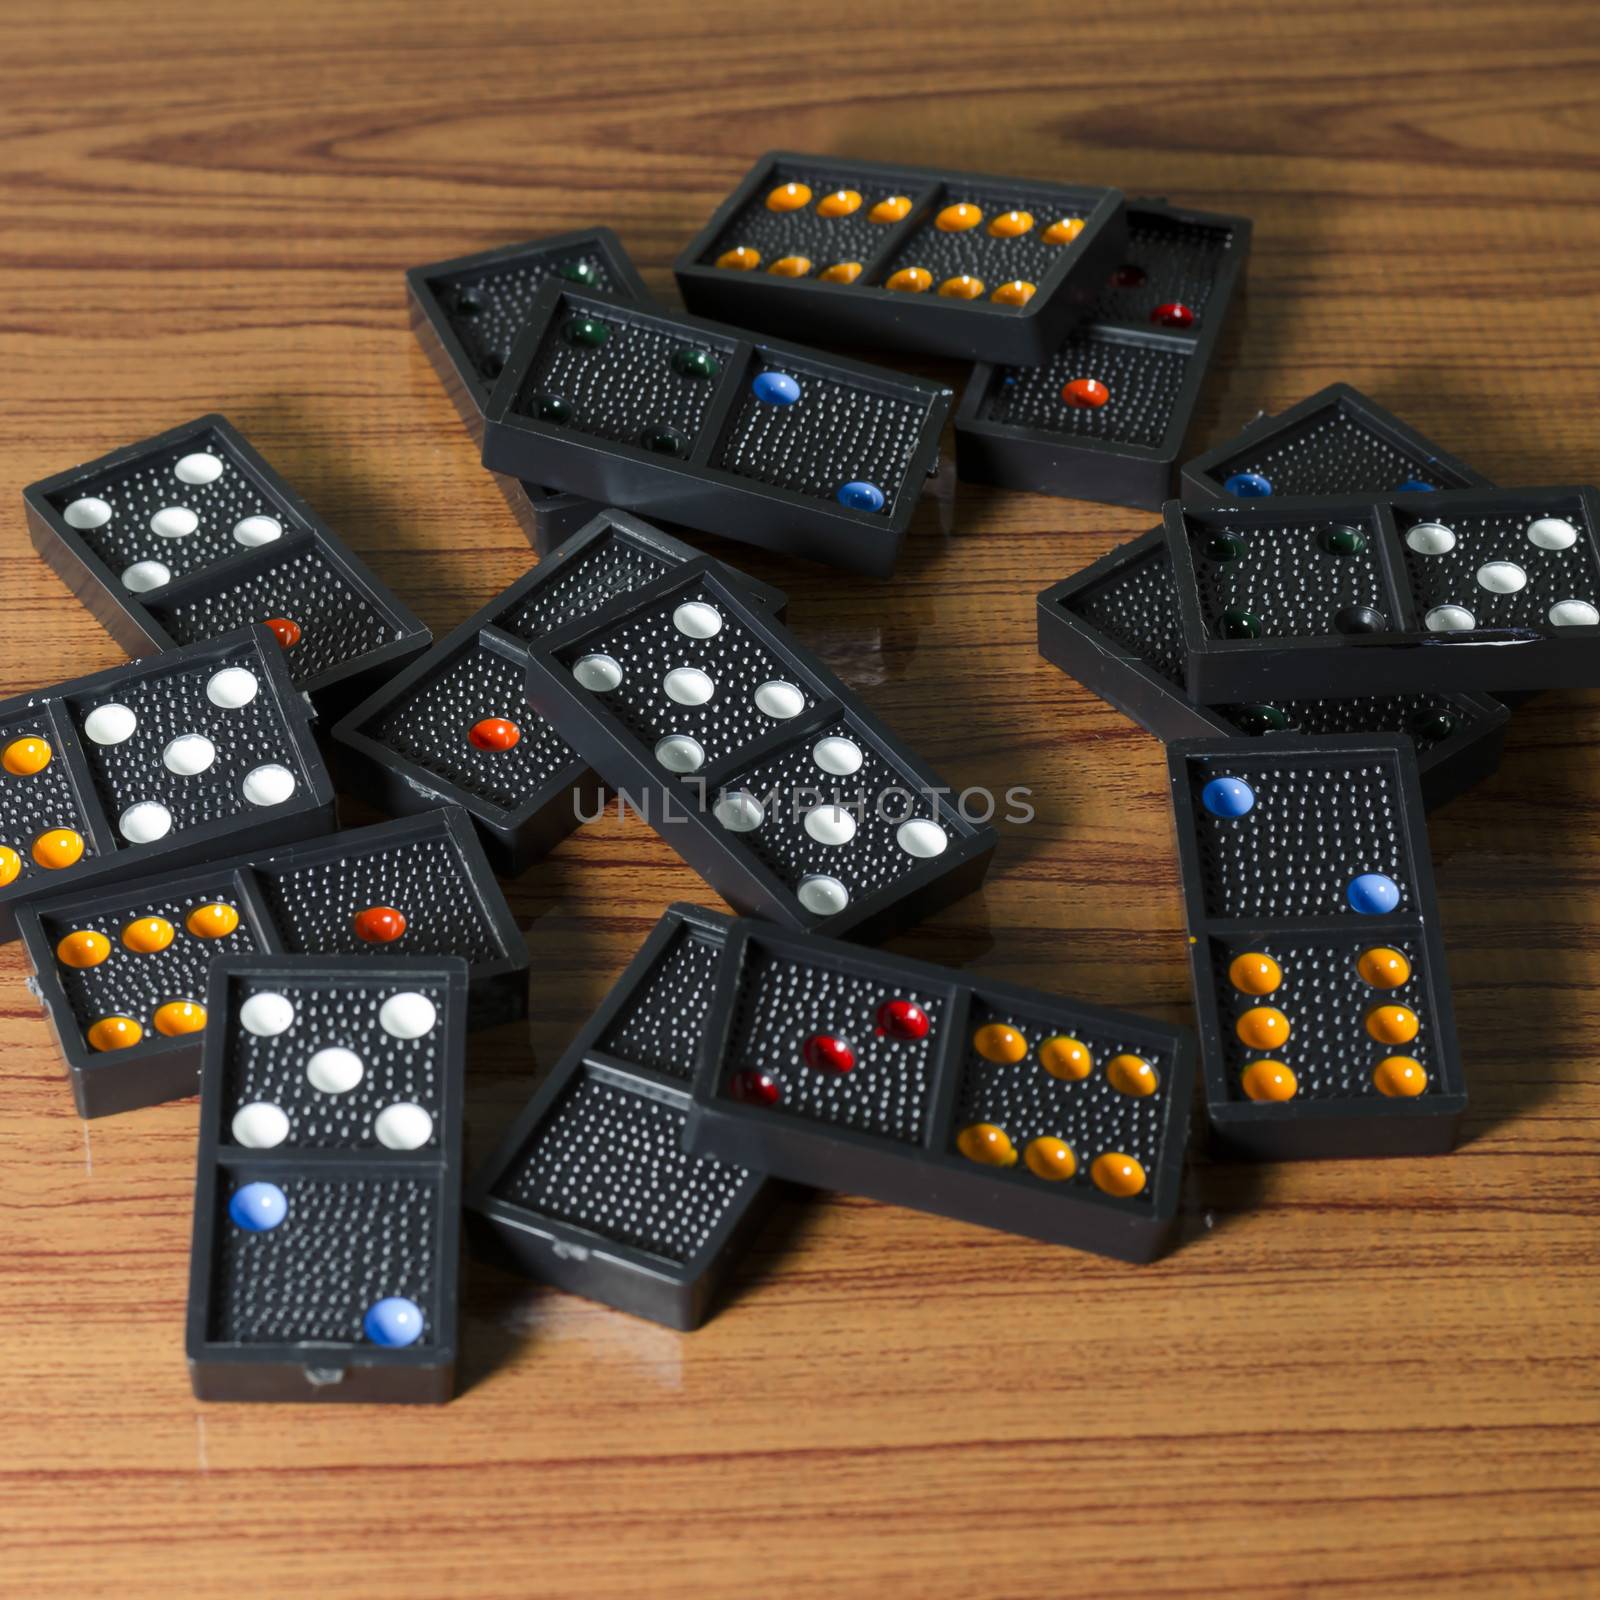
841, 203
493, 733
115, 1033
740, 259
1400, 1077
1392, 1024
986, 1144
910, 280
890, 210
789, 197
380, 924
790, 267
58, 848
963, 287
1383, 967
24, 757
1064, 231
958, 218
178, 1017
83, 947
285, 631
1085, 394
10, 865
1132, 1075
1254, 973
841, 272
1065, 1057
1016, 293
214, 921
148, 935
999, 1042
1011, 224
1263, 1027
1050, 1159
1268, 1080
1117, 1174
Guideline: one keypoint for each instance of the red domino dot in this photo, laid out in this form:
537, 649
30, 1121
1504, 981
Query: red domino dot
1085, 394
380, 924
285, 631
826, 1053
755, 1089
902, 1019
1128, 276
1174, 314
493, 733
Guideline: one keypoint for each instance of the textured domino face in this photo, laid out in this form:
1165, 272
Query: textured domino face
43, 829
661, 1024
1168, 261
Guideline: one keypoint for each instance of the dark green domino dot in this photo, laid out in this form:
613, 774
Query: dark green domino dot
491, 365
1239, 624
579, 272
1225, 547
1360, 619
664, 441
695, 363
589, 332
552, 408
467, 306
1433, 725
1343, 541
1261, 719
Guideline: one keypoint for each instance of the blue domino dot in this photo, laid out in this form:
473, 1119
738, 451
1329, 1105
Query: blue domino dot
393, 1322
776, 388
1372, 894
1248, 486
1413, 486
1227, 797
258, 1207
860, 496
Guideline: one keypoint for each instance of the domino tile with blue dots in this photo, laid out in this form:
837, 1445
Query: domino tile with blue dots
326, 1250
1321, 990
1463, 589
871, 1074
767, 444
1105, 415
764, 772
191, 534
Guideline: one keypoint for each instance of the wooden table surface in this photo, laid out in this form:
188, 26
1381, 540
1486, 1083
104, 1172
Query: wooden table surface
1349, 1379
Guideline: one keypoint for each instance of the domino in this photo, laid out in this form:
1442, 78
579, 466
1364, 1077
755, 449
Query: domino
155, 764
1115, 628
1326, 1026
754, 762
589, 1189
904, 258
1337, 441
327, 1213
905, 1082
454, 727
1105, 414
190, 535
769, 444
121, 972
1493, 589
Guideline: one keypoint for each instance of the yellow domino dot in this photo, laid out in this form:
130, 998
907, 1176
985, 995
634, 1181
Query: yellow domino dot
1400, 1077
147, 935
789, 197
1064, 231
1016, 293
1011, 224
1254, 974
10, 865
962, 287
83, 947
790, 267
986, 1144
958, 218
841, 203
740, 259
841, 272
910, 280
1117, 1174
1268, 1080
1392, 1024
115, 1033
1065, 1057
1263, 1028
1000, 1042
1051, 1159
890, 210
24, 757
1132, 1075
1383, 967
214, 921
178, 1017
58, 848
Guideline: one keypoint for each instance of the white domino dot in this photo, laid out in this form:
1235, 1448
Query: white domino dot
830, 824
144, 822
1431, 539
231, 688
1552, 533
268, 785
739, 812
403, 1126
597, 673
679, 753
197, 468
688, 686
697, 620
821, 895
143, 576
267, 1014
922, 838
253, 531
1574, 614
407, 1015
779, 700
188, 754
1450, 619
174, 522
335, 1070
110, 723
1501, 577
837, 755
89, 512
260, 1125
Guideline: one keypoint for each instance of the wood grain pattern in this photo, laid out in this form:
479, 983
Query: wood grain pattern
1351, 1380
